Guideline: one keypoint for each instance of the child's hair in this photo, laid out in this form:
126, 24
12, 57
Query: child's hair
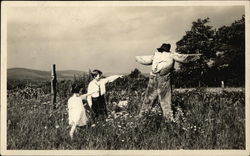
75, 88
95, 72
83, 91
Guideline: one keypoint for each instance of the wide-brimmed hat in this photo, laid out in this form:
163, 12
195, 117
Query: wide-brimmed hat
164, 47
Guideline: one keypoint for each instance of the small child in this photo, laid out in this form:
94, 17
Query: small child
76, 110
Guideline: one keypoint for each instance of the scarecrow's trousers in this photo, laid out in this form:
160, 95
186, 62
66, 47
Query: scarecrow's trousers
159, 87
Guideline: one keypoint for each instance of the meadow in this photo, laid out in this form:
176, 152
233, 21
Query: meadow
203, 119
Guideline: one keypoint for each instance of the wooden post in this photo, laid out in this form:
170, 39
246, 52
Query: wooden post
222, 84
53, 85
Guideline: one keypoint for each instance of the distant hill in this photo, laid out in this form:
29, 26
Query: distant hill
31, 74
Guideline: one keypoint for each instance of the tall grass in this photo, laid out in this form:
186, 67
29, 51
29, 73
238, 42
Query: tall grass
203, 120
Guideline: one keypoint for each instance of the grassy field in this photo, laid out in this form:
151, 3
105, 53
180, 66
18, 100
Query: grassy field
203, 120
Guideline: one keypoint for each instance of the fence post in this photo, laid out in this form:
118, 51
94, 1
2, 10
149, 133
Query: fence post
53, 85
222, 84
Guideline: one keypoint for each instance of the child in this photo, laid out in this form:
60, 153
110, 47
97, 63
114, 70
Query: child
76, 110
97, 100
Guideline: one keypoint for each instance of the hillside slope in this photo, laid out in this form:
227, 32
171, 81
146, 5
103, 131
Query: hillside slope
31, 74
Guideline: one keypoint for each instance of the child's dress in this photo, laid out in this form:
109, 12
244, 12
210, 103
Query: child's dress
77, 112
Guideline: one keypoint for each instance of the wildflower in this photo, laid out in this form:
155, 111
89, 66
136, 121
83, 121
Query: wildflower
93, 125
184, 129
107, 120
45, 127
123, 104
57, 126
194, 128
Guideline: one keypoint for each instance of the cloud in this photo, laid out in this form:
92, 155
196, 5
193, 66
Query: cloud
100, 37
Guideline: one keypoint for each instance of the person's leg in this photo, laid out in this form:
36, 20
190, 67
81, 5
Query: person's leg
104, 106
101, 110
150, 96
95, 108
165, 96
71, 133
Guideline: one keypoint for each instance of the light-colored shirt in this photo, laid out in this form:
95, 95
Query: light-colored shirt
98, 88
163, 61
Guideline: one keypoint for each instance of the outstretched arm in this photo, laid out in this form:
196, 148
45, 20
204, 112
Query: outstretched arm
185, 58
85, 96
112, 78
88, 97
145, 60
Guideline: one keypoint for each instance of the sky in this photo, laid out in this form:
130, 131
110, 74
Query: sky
97, 37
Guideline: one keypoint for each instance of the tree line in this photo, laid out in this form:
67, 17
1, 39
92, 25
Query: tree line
223, 56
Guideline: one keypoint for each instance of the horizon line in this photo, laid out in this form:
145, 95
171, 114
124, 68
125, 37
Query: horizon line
67, 70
